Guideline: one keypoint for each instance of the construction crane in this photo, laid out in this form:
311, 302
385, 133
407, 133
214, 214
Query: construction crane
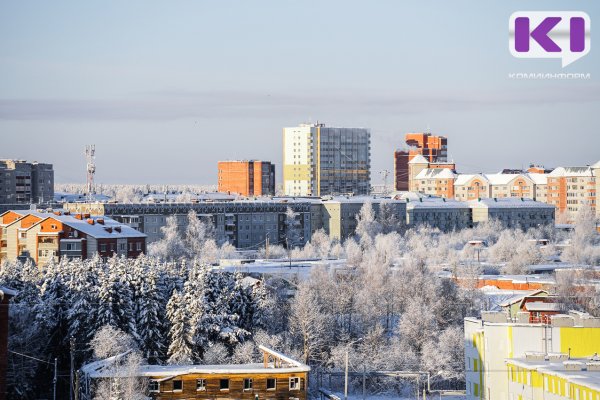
385, 174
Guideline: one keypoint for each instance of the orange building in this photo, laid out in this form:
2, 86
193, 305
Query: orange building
433, 148
247, 178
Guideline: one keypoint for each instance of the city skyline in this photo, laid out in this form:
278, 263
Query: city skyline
126, 84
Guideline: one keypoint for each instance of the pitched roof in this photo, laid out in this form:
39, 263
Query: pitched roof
436, 173
462, 179
96, 230
504, 179
571, 171
418, 159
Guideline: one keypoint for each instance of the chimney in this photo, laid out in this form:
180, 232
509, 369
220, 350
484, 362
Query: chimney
118, 229
90, 221
100, 221
108, 229
78, 216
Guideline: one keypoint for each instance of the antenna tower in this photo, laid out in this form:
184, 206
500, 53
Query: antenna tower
90, 155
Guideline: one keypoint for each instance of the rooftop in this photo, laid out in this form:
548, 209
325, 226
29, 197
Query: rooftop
436, 173
574, 370
508, 202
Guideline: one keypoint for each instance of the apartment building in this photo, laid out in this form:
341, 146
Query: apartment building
437, 182
22, 182
433, 149
242, 223
512, 212
246, 178
320, 160
49, 235
538, 376
275, 377
441, 213
337, 215
571, 188
494, 343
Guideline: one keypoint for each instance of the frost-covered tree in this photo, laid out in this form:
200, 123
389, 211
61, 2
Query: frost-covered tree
367, 226
180, 347
200, 238
171, 246
293, 232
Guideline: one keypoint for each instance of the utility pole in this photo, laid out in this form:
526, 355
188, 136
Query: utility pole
267, 248
72, 342
346, 377
55, 376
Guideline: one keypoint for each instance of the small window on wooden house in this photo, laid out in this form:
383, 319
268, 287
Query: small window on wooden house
177, 385
224, 384
271, 383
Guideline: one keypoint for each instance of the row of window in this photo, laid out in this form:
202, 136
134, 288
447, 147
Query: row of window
154, 386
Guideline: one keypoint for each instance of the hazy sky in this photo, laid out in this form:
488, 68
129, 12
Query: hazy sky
165, 89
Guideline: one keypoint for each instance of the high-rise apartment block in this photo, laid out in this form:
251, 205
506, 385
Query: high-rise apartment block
22, 182
434, 149
247, 178
320, 160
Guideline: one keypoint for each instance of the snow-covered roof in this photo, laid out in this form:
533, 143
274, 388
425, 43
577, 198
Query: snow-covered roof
586, 378
463, 179
504, 179
436, 173
508, 202
519, 297
418, 159
538, 179
96, 230
104, 368
596, 165
571, 171
542, 306
436, 202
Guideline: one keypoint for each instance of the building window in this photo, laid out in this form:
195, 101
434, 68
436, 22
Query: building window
130, 246
122, 247
177, 385
200, 385
271, 383
295, 383
224, 384
103, 247
138, 246
248, 384
154, 386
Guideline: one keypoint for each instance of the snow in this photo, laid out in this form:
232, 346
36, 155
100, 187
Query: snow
436, 173
590, 379
508, 202
418, 159
571, 171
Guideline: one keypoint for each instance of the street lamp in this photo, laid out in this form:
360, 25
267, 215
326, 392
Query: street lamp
346, 368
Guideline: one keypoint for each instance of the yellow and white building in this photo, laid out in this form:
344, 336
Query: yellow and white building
492, 340
320, 160
554, 376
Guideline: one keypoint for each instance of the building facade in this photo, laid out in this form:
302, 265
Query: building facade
24, 183
276, 377
44, 236
338, 214
320, 160
434, 149
492, 341
512, 212
244, 224
444, 214
571, 188
246, 178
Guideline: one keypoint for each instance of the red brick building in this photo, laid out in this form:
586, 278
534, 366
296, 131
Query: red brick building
246, 178
42, 236
433, 148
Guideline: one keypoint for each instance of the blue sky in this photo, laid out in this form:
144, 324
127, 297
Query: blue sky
165, 89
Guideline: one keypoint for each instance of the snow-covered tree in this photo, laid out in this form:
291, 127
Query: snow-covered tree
180, 347
367, 226
171, 246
